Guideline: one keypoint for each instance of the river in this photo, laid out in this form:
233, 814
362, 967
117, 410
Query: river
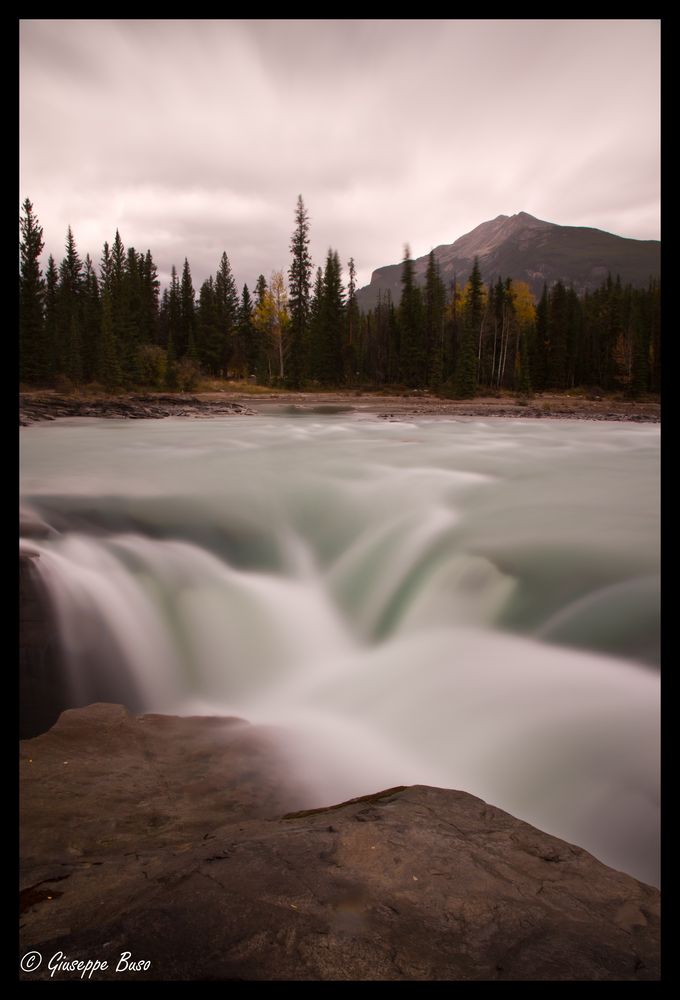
472, 604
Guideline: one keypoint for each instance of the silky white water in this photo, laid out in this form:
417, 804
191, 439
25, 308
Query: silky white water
469, 604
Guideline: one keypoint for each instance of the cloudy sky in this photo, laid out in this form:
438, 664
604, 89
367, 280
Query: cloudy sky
194, 137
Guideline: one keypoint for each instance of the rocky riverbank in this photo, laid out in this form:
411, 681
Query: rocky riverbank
34, 407
182, 842
50, 406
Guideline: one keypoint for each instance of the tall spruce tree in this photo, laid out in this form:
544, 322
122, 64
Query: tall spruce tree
466, 368
226, 297
246, 333
208, 340
187, 314
558, 327
150, 291
350, 360
51, 316
331, 322
434, 322
91, 320
314, 346
413, 362
69, 303
34, 356
299, 285
107, 364
261, 364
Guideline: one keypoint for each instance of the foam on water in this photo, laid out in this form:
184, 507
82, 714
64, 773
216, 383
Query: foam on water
466, 604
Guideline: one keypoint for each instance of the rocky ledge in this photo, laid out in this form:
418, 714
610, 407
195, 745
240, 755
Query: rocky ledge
180, 842
33, 408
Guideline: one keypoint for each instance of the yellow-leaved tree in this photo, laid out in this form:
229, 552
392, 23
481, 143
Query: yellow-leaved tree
272, 319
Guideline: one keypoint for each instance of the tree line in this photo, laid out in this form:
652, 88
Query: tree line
111, 326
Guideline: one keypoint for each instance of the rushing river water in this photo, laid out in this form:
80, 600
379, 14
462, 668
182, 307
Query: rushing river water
470, 604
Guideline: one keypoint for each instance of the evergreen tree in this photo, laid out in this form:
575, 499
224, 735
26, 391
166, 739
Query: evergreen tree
466, 368
227, 312
350, 352
208, 339
187, 318
539, 366
642, 329
299, 282
435, 295
246, 332
107, 367
34, 358
69, 302
116, 276
558, 326
314, 346
91, 320
150, 289
262, 371
51, 317
331, 322
411, 323
174, 312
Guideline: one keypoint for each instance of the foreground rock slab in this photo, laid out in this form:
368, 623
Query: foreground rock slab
180, 842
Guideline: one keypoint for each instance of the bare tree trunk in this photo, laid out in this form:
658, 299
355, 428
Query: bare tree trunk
495, 337
280, 340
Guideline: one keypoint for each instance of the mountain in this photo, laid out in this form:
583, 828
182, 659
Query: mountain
524, 248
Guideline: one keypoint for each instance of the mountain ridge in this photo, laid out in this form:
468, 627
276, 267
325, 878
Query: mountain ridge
528, 249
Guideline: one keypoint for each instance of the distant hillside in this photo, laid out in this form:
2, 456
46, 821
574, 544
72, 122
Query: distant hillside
527, 249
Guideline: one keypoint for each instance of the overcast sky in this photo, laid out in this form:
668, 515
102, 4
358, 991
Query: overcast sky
195, 137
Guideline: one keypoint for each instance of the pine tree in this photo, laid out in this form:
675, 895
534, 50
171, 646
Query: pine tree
466, 367
69, 303
51, 317
208, 340
227, 312
34, 357
434, 323
262, 371
174, 311
91, 320
246, 332
150, 288
331, 322
352, 311
558, 326
299, 283
314, 345
107, 365
539, 367
187, 317
413, 362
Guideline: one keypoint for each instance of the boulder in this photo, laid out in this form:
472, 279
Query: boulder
181, 842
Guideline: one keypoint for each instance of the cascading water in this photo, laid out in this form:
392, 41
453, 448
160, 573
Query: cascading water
465, 604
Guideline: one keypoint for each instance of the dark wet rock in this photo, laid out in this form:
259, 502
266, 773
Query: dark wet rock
43, 695
182, 842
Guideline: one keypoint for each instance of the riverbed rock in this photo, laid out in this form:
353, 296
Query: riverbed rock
49, 406
183, 842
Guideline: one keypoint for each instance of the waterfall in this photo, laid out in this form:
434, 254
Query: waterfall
402, 608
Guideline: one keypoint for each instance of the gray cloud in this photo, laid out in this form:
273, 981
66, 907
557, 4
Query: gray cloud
194, 137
